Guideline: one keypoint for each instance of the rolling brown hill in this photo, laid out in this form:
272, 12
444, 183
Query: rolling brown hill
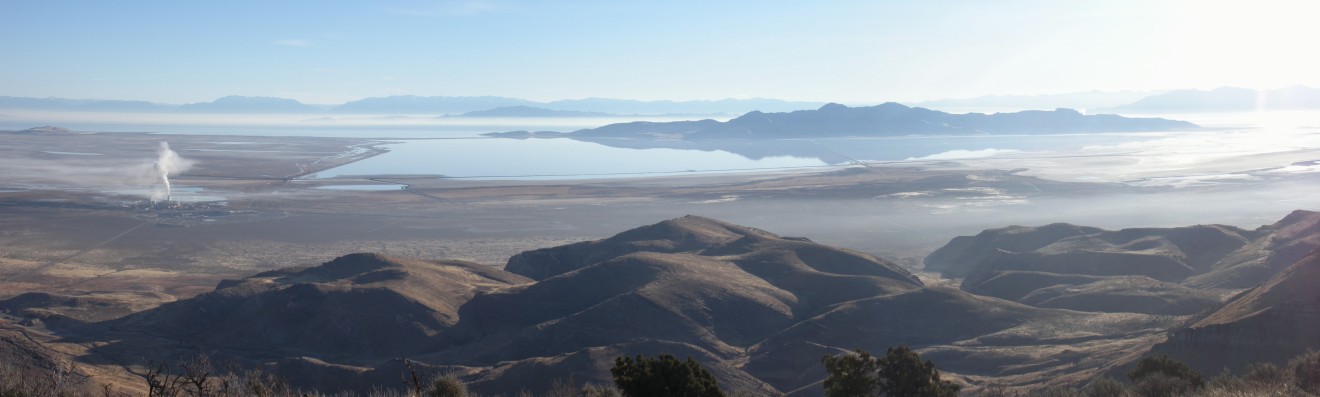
1148, 270
359, 305
756, 308
749, 300
700, 235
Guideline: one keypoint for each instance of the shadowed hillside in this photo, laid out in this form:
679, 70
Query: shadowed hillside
1150, 270
359, 305
1269, 323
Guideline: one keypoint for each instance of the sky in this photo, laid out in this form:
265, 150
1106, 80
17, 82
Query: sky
327, 52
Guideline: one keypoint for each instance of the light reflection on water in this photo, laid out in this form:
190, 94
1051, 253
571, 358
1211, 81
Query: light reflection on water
561, 158
1226, 147
1148, 159
495, 158
361, 187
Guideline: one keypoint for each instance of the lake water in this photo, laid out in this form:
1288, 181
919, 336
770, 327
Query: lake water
496, 158
361, 187
1265, 143
562, 158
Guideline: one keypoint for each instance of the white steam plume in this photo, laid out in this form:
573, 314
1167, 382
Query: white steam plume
167, 163
128, 173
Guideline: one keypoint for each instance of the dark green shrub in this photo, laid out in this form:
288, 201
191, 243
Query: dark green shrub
902, 373
851, 374
899, 373
447, 386
663, 376
1163, 365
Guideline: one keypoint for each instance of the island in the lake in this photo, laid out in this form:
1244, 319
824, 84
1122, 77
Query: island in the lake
888, 119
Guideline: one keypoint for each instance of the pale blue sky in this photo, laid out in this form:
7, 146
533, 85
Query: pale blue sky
844, 51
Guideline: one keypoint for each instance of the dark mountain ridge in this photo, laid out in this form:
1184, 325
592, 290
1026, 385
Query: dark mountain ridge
835, 120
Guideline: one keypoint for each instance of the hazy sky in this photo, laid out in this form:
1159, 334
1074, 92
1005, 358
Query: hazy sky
845, 51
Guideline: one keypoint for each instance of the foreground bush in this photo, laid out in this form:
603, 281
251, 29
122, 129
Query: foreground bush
850, 374
899, 373
663, 376
1164, 377
1305, 372
448, 386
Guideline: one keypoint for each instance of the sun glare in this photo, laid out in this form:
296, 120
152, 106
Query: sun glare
1250, 44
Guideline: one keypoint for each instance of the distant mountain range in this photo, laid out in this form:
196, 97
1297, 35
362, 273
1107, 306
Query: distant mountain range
248, 104
722, 106
1074, 100
87, 105
1226, 99
528, 111
409, 104
229, 104
419, 105
835, 120
434, 105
